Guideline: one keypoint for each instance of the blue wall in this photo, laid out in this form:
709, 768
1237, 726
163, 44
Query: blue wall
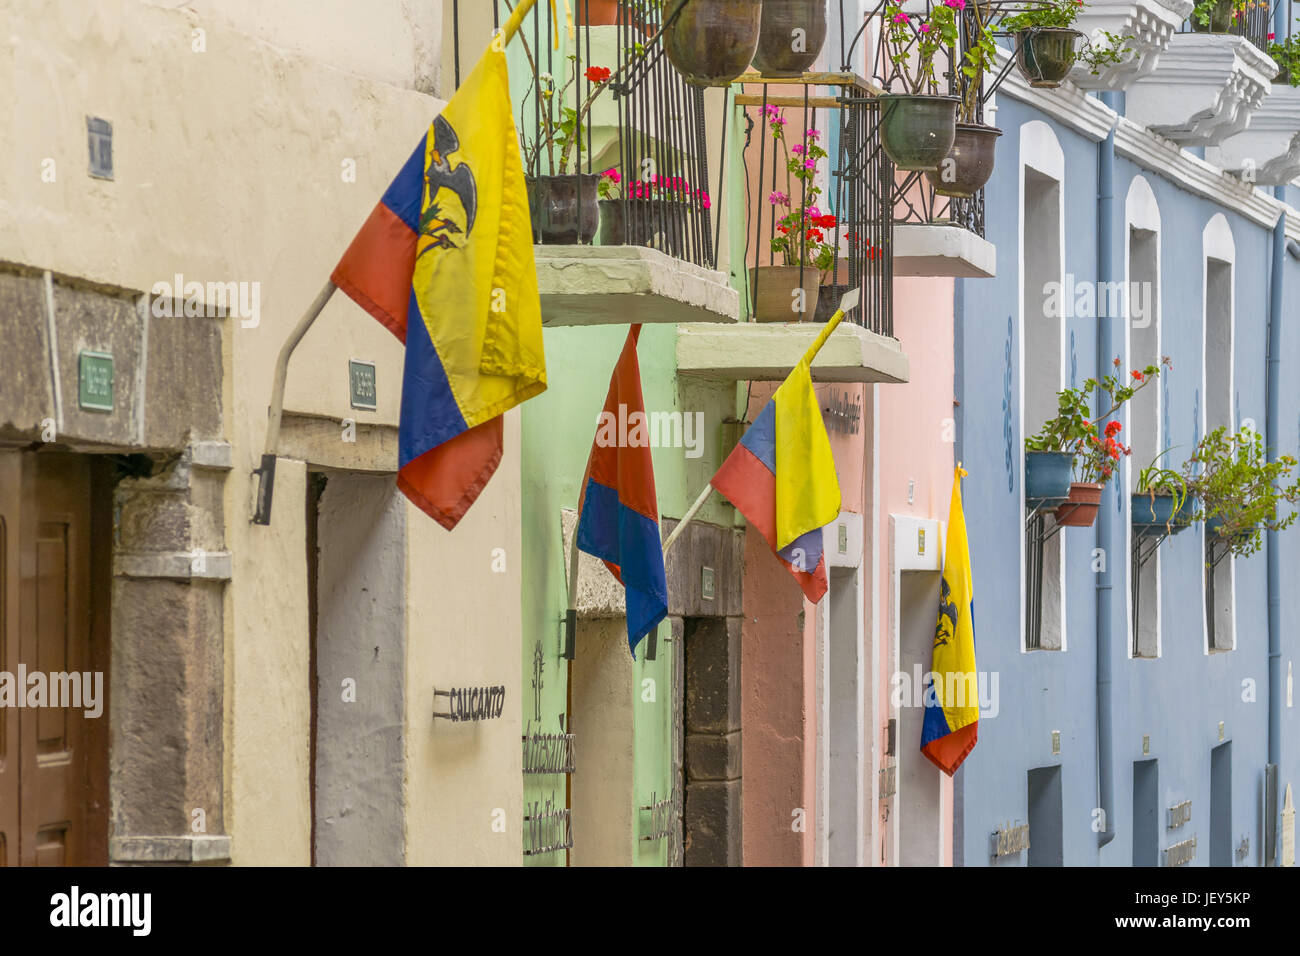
1179, 698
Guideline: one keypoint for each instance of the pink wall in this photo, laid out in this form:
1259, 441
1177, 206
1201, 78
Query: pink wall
915, 435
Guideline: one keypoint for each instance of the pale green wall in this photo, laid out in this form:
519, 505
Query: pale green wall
558, 429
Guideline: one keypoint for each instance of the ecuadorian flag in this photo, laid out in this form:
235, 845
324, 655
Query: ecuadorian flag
782, 477
445, 262
952, 711
618, 511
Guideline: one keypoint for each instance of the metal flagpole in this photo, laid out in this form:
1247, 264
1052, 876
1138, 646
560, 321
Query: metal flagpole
266, 472
847, 304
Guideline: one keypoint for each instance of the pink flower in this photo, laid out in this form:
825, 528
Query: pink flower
1271, 35
613, 176
925, 28
955, 4
704, 198
779, 199
797, 149
900, 17
814, 212
809, 164
816, 134
772, 111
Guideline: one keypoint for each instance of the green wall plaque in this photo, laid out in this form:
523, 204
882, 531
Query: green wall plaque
95, 381
361, 376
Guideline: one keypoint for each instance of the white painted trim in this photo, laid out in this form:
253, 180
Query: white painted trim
52, 340
879, 701
1217, 243
904, 528
1142, 211
1041, 151
1088, 116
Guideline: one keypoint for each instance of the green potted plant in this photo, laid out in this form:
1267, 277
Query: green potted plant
1239, 490
917, 126
1091, 443
969, 163
790, 37
1045, 41
711, 42
1160, 501
1287, 57
802, 232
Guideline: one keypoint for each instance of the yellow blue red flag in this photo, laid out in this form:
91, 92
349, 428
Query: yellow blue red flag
445, 262
952, 712
781, 476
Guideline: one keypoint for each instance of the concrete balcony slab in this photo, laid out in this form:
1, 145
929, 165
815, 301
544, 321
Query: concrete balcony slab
1149, 25
1204, 89
768, 351
617, 285
939, 249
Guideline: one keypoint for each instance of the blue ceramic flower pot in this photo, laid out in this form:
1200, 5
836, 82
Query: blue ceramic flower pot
1047, 476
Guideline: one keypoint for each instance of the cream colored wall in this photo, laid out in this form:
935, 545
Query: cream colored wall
463, 627
228, 167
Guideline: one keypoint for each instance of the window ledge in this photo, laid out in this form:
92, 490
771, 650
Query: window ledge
942, 250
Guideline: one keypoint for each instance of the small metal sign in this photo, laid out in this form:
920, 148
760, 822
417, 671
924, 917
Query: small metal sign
472, 703
1180, 854
844, 539
706, 583
1146, 745
1056, 743
920, 541
361, 378
95, 381
547, 827
1007, 840
1220, 730
99, 138
888, 782
1179, 814
547, 753
662, 816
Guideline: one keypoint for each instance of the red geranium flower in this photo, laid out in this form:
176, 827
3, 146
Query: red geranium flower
598, 74
1113, 429
1137, 376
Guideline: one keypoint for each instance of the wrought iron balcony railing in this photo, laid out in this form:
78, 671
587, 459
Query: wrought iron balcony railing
1255, 22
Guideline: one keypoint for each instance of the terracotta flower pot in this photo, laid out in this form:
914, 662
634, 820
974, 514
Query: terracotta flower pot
604, 13
564, 209
917, 131
782, 52
775, 285
711, 42
969, 163
1080, 509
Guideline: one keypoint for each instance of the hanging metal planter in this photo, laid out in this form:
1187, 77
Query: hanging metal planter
564, 208
1047, 476
969, 163
917, 131
711, 42
1045, 55
790, 36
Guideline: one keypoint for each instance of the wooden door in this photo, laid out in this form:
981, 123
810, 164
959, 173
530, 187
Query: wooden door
10, 499
49, 779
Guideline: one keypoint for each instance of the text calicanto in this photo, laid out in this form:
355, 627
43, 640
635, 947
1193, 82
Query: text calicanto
474, 703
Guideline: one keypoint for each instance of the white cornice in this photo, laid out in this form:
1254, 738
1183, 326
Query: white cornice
1088, 116
1147, 25
1067, 103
